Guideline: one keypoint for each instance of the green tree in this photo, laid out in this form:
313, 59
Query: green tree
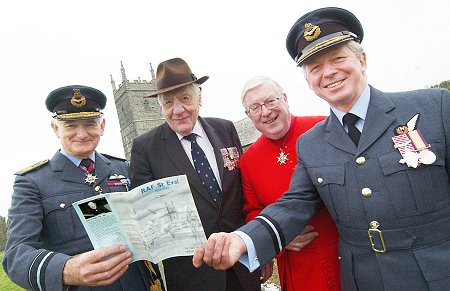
443, 84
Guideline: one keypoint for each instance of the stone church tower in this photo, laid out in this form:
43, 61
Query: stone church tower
136, 114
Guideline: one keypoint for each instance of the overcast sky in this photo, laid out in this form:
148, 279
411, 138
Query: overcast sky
47, 44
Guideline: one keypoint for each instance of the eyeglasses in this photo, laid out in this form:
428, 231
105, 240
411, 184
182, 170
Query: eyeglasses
256, 109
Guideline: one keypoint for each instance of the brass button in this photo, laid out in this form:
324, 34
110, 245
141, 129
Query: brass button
361, 160
62, 205
319, 180
366, 192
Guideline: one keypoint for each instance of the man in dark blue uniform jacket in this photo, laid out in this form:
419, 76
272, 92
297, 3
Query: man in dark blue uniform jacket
47, 247
380, 162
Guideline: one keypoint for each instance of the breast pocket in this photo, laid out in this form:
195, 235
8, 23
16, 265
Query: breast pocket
329, 181
414, 191
61, 223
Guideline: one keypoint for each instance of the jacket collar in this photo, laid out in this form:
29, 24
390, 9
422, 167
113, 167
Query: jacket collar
377, 121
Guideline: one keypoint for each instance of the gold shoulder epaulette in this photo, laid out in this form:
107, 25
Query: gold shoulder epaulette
32, 167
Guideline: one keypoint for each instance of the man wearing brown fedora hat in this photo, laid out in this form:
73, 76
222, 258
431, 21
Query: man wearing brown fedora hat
380, 163
207, 151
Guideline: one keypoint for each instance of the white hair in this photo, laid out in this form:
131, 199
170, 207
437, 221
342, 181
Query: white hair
258, 81
355, 47
58, 122
194, 87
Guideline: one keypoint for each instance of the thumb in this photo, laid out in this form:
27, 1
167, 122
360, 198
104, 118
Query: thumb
197, 259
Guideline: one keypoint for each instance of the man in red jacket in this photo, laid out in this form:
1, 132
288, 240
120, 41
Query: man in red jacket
310, 261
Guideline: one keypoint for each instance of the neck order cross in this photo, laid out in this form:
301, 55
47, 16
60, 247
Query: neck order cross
87, 166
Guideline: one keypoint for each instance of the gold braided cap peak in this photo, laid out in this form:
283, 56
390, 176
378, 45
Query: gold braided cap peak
322, 45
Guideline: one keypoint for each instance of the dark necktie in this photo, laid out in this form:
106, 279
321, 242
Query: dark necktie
87, 165
204, 170
350, 119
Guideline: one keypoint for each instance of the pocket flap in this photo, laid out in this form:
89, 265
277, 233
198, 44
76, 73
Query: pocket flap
327, 175
60, 202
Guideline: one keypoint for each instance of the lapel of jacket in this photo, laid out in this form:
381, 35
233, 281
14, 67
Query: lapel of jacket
102, 168
216, 144
336, 136
72, 173
377, 120
69, 172
175, 152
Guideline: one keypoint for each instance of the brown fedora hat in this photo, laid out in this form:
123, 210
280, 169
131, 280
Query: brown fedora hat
172, 74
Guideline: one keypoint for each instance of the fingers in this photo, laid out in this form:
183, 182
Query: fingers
221, 251
266, 272
97, 267
307, 228
214, 249
215, 253
109, 268
109, 275
303, 239
197, 260
101, 254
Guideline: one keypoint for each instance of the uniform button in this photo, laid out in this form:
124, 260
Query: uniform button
319, 180
360, 160
62, 205
366, 192
324, 261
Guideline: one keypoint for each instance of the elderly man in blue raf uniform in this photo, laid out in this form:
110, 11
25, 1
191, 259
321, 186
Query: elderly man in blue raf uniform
47, 247
380, 162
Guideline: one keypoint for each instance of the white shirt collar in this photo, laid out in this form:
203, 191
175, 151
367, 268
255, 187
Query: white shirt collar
198, 130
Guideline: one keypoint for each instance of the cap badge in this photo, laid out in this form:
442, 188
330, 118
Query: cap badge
312, 32
77, 99
411, 144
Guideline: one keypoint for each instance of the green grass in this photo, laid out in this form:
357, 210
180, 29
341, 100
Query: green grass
5, 283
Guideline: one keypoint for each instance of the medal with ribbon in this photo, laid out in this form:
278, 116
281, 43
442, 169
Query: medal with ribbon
87, 166
119, 180
411, 145
230, 158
